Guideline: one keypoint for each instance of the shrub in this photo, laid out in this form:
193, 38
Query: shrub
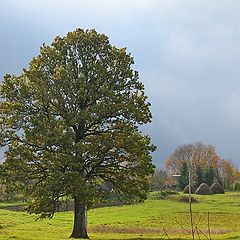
236, 186
162, 194
6, 195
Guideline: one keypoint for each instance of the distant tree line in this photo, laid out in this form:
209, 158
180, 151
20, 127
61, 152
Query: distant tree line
205, 166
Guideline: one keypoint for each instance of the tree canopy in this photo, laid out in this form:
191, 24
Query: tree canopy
71, 123
197, 154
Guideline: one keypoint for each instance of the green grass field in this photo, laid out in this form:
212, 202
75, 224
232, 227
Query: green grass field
155, 219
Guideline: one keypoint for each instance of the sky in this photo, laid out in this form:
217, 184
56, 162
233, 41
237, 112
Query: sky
187, 53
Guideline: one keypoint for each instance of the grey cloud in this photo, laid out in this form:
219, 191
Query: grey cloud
187, 53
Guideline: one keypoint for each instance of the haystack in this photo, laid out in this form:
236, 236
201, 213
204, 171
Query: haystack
186, 199
203, 189
216, 188
186, 189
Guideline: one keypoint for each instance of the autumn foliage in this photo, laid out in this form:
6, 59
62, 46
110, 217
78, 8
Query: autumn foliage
205, 165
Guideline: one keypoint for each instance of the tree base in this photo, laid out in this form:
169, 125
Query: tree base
81, 236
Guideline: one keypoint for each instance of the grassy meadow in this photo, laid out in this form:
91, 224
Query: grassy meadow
155, 219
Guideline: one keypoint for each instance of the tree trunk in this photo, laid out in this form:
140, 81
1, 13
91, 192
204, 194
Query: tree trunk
80, 220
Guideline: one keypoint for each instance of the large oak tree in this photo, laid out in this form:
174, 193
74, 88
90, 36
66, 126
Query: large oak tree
71, 123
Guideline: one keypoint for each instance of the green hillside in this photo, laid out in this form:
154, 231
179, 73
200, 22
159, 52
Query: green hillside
155, 219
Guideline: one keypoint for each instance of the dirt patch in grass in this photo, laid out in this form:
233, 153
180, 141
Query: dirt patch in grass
110, 229
18, 208
119, 230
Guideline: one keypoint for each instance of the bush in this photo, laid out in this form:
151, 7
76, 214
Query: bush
236, 186
6, 195
216, 188
203, 189
162, 194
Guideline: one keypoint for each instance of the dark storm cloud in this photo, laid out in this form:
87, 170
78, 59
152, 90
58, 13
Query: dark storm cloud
187, 53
